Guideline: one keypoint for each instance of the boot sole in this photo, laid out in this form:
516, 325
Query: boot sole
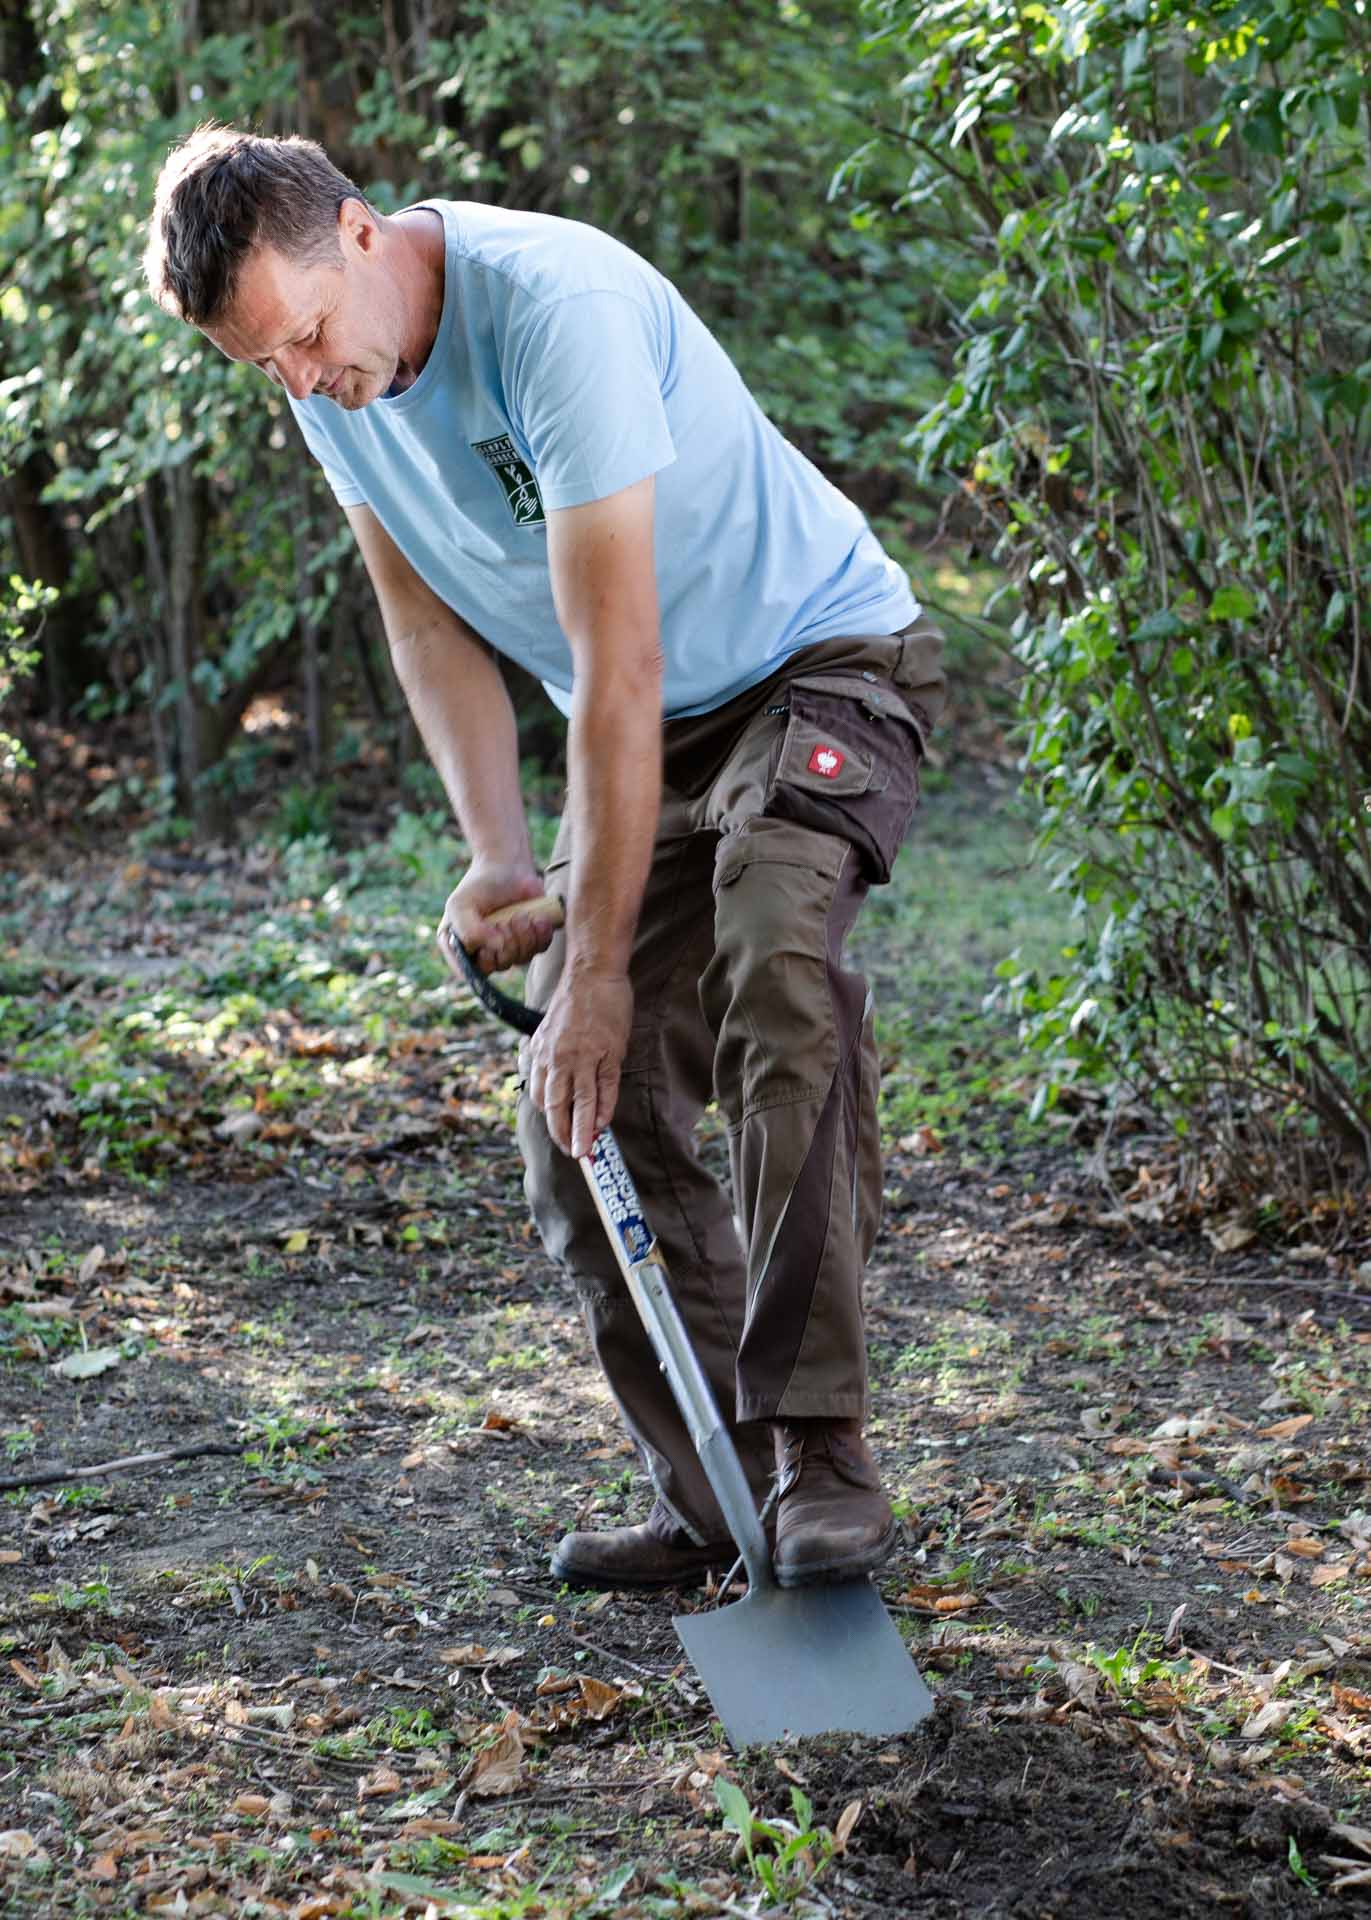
852, 1566
604, 1582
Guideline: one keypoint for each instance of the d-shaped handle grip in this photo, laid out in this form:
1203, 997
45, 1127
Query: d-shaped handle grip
503, 1005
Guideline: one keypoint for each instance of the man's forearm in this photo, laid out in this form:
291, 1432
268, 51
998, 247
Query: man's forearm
462, 709
614, 754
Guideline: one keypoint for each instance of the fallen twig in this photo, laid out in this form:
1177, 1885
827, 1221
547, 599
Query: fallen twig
618, 1659
56, 1474
1162, 1282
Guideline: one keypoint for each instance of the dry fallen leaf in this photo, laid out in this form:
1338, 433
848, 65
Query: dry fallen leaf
82, 1366
161, 1711
937, 1600
598, 1698
18, 1844
473, 1654
1326, 1575
256, 1803
1055, 1215
1227, 1236
847, 1820
1082, 1684
90, 1266
59, 1309
1284, 1429
1351, 1700
1267, 1719
1187, 1426
499, 1768
1346, 1882
378, 1783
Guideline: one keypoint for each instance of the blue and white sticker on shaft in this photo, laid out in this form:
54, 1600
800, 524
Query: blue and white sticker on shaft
620, 1199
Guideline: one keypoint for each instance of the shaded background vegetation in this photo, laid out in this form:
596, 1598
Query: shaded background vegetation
1069, 297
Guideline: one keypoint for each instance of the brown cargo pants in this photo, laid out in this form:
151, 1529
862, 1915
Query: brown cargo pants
779, 811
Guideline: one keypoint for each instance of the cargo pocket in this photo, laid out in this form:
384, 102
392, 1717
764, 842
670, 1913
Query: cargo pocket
849, 765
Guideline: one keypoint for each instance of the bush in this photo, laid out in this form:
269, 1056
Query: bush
1160, 407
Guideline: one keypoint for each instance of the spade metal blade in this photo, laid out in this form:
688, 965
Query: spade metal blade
791, 1661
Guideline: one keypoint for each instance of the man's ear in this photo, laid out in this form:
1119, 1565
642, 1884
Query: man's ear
357, 223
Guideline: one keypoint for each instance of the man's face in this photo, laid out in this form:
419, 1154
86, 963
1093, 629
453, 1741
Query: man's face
335, 330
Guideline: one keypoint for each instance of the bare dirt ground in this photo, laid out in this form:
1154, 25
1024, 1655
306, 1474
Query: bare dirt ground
317, 1665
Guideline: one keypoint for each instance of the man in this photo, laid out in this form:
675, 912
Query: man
542, 451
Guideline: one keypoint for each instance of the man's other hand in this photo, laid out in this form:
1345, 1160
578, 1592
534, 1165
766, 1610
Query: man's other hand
506, 942
576, 1055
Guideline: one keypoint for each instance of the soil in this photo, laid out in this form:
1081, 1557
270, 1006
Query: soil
265, 1678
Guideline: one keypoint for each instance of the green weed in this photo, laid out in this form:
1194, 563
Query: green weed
1296, 1864
785, 1856
24, 1338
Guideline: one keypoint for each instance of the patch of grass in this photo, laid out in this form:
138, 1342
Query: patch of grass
88, 1596
963, 897
26, 1338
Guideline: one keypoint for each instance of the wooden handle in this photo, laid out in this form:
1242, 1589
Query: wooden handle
545, 903
513, 1012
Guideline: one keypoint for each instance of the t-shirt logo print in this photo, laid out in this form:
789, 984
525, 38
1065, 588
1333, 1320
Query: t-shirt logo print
521, 489
826, 760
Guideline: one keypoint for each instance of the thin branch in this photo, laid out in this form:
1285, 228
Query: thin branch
57, 1474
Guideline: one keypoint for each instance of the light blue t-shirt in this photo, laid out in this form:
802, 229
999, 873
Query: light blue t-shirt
564, 369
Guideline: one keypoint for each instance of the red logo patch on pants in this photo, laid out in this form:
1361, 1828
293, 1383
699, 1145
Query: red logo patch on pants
826, 760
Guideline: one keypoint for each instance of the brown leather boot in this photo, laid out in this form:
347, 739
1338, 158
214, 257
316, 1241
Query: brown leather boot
833, 1522
656, 1553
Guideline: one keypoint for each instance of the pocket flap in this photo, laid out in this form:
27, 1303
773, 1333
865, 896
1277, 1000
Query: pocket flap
823, 750
877, 696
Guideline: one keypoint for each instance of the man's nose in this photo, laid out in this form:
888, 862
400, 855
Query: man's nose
299, 374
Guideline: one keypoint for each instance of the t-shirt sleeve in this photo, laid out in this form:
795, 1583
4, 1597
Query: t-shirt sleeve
585, 393
345, 488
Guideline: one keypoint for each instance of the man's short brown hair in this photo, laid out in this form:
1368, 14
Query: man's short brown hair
221, 194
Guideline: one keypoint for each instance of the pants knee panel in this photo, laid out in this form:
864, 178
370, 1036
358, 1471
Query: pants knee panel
766, 993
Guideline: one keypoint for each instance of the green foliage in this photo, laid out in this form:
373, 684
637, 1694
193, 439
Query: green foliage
22, 607
21, 610
786, 1856
305, 813
177, 502
24, 1337
1160, 411
1129, 1670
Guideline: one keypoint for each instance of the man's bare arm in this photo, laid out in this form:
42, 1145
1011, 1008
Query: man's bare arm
605, 590
458, 698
